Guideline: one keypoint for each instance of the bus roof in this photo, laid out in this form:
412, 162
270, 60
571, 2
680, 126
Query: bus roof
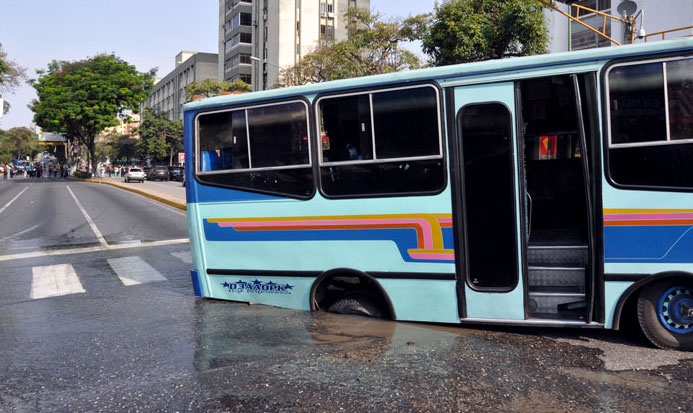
452, 71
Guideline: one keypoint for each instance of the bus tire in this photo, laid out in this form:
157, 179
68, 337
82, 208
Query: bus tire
357, 304
665, 314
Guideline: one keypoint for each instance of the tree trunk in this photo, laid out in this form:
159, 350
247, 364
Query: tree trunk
170, 157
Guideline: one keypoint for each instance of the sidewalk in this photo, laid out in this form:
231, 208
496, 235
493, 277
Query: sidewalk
145, 190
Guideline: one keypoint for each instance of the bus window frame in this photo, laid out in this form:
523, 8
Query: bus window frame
245, 107
606, 117
441, 105
370, 92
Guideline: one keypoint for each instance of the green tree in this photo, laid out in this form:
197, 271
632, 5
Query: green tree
18, 143
212, 87
119, 148
159, 136
373, 48
83, 98
474, 30
11, 74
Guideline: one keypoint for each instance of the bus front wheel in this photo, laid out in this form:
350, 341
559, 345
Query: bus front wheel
665, 314
357, 304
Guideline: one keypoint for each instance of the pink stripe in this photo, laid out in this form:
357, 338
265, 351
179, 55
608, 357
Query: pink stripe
627, 217
432, 256
427, 232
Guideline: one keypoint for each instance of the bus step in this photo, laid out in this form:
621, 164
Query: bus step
564, 255
541, 302
556, 276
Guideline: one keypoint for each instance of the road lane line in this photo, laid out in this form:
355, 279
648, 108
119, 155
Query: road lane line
12, 200
102, 240
84, 250
134, 270
54, 281
185, 256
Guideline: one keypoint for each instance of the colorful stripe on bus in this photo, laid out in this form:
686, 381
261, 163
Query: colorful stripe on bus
648, 235
419, 237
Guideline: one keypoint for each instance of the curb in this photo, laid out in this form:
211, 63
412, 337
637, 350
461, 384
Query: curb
168, 202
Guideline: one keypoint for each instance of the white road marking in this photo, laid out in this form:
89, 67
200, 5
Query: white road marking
84, 250
12, 200
134, 270
102, 240
185, 256
54, 280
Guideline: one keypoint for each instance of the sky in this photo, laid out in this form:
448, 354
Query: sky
145, 33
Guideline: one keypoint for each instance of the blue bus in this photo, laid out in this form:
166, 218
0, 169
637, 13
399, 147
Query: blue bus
552, 190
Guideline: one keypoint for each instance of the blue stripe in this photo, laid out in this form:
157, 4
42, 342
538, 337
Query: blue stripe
655, 244
404, 238
195, 275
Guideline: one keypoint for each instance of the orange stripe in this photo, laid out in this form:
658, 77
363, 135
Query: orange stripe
648, 222
417, 227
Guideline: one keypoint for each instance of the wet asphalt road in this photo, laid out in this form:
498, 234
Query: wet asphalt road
152, 346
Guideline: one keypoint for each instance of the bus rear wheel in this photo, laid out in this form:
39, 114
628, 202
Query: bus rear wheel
358, 304
665, 314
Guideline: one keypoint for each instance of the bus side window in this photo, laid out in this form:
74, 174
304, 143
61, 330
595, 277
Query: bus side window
381, 142
651, 113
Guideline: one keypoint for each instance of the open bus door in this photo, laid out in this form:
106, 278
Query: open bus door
489, 255
524, 199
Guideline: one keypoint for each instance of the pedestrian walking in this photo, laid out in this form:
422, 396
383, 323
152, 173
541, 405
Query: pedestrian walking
4, 171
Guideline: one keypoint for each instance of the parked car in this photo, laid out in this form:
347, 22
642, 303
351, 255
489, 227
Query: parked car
147, 169
134, 174
176, 173
158, 172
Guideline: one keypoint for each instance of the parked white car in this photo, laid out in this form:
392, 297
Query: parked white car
134, 174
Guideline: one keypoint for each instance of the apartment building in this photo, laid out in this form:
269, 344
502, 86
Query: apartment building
168, 94
655, 19
258, 37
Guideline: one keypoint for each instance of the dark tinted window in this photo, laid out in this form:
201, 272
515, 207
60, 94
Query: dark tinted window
345, 130
659, 166
278, 135
381, 134
636, 97
406, 123
223, 141
646, 145
487, 152
680, 94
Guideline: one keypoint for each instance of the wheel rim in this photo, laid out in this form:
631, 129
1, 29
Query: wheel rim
675, 310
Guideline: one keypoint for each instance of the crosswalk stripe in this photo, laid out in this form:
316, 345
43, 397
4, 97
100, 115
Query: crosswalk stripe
185, 256
54, 280
134, 270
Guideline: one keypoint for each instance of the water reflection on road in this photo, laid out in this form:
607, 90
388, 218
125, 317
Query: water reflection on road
257, 357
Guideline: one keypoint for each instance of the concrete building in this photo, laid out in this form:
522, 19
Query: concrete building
258, 37
654, 16
168, 94
126, 126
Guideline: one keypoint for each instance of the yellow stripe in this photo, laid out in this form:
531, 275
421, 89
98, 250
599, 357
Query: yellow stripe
644, 211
